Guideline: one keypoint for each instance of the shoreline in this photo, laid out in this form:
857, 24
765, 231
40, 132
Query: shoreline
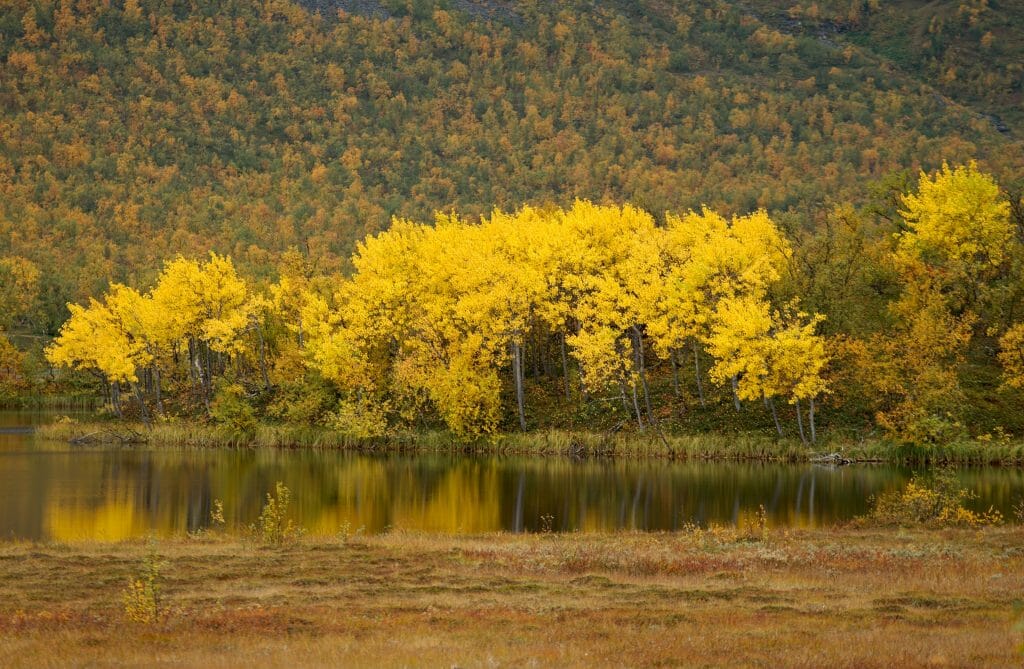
741, 447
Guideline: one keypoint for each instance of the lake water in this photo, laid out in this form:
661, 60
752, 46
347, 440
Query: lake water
58, 492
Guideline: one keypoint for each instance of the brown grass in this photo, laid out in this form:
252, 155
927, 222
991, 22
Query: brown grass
838, 598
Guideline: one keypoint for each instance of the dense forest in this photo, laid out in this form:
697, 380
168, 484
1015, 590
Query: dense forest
439, 323
139, 136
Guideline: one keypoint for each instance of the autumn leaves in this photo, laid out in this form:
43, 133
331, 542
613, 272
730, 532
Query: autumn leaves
439, 318
442, 314
439, 323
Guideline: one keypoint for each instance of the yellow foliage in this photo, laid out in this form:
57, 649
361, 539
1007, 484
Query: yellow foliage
19, 286
104, 336
958, 222
127, 331
1011, 356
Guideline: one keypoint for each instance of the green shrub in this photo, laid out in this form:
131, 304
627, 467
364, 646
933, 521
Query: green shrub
232, 409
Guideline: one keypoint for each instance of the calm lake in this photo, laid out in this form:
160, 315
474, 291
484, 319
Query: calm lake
52, 491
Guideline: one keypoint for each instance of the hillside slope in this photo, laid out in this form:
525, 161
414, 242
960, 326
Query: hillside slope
135, 130
971, 51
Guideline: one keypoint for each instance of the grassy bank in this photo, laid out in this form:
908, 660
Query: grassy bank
713, 446
82, 402
845, 598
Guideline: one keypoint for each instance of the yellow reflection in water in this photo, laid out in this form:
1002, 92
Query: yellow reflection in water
466, 498
112, 520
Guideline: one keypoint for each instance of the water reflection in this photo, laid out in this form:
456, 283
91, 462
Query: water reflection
51, 491
65, 494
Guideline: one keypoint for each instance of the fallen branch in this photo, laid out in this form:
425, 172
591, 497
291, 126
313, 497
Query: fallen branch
831, 459
124, 437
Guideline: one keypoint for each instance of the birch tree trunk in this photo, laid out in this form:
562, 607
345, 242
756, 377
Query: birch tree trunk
142, 404
775, 416
814, 432
696, 367
675, 373
517, 372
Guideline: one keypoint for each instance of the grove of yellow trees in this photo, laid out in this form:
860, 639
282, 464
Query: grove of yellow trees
440, 323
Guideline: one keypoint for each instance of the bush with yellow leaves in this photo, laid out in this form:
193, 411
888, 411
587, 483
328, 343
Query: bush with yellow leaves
935, 500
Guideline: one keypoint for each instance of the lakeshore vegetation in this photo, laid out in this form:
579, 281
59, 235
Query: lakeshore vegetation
442, 324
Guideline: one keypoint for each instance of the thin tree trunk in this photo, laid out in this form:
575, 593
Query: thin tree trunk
565, 369
517, 371
675, 373
636, 407
696, 367
200, 372
638, 355
775, 416
263, 359
536, 353
142, 404
651, 419
623, 374
545, 358
814, 432
115, 396
800, 422
622, 395
159, 393
735, 394
208, 376
191, 361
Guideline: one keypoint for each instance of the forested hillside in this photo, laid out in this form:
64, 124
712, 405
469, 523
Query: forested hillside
971, 51
135, 130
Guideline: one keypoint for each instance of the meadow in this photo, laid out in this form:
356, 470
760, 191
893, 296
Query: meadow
845, 596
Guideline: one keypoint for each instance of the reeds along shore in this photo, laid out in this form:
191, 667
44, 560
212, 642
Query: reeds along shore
724, 447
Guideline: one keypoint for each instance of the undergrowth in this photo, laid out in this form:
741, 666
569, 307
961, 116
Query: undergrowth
933, 500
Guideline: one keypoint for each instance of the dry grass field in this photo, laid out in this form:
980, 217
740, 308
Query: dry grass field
842, 597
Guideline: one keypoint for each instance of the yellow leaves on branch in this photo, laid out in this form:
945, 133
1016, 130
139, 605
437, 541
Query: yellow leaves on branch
771, 354
1011, 355
958, 243
125, 332
94, 338
206, 301
19, 287
958, 223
